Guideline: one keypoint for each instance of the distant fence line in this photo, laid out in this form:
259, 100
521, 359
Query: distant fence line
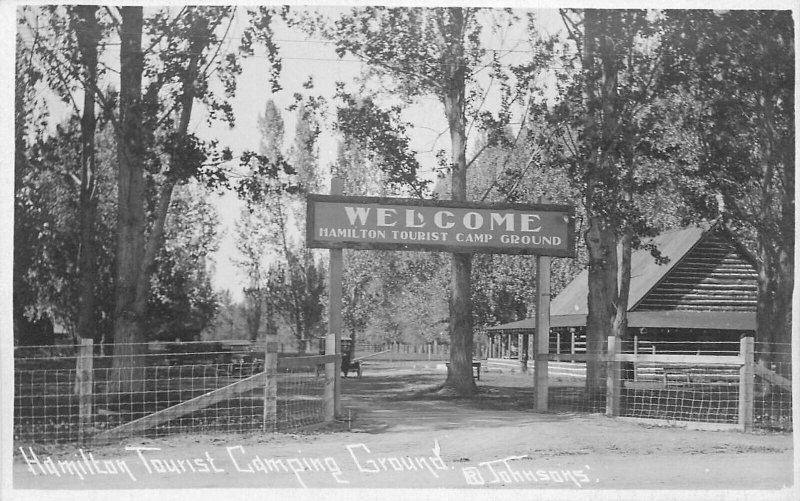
435, 349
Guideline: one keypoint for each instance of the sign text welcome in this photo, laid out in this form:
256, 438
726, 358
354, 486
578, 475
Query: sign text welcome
434, 225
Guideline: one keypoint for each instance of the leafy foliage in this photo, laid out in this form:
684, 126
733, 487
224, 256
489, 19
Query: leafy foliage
383, 137
737, 67
182, 302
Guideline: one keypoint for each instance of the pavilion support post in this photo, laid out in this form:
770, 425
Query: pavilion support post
542, 333
613, 378
527, 351
746, 383
522, 356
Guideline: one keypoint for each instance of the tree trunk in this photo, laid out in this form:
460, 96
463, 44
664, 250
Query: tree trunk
774, 310
602, 299
459, 376
88, 34
254, 300
775, 239
128, 364
601, 240
135, 259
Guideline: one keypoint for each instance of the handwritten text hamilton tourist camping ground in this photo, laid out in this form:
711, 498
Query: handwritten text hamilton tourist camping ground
308, 471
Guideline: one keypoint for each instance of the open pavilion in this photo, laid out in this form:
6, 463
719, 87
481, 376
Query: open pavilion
704, 297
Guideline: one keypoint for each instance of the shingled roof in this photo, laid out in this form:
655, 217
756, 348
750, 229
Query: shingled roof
709, 282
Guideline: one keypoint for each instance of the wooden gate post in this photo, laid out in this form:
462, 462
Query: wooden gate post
84, 382
746, 383
613, 381
271, 382
542, 335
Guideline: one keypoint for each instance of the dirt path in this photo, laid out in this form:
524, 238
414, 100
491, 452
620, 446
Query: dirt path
484, 443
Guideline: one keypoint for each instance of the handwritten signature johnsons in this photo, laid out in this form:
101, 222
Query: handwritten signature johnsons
236, 459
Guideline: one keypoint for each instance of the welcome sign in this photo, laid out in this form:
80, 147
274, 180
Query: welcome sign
336, 222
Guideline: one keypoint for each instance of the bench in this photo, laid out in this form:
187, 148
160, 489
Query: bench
348, 366
476, 370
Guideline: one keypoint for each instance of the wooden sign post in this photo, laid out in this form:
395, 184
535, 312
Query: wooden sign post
542, 334
335, 308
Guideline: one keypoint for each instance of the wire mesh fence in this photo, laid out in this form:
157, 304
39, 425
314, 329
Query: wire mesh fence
683, 391
773, 386
680, 392
682, 381
61, 395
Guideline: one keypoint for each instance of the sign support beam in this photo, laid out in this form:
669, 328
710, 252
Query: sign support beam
542, 333
335, 308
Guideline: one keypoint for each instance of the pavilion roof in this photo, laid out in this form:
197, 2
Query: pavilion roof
709, 282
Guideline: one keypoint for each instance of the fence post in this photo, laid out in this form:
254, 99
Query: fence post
330, 380
746, 382
84, 381
271, 383
612, 378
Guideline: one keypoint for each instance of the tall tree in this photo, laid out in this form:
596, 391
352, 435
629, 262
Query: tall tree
296, 284
739, 69
26, 117
130, 302
158, 90
88, 32
426, 51
291, 286
182, 302
253, 237
360, 285
254, 232
47, 218
603, 122
150, 113
66, 44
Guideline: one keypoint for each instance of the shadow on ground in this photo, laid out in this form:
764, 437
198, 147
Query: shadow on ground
381, 402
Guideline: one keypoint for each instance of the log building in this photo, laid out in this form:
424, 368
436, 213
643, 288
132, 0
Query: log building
702, 298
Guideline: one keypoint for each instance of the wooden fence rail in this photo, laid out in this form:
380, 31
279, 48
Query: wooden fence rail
84, 387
